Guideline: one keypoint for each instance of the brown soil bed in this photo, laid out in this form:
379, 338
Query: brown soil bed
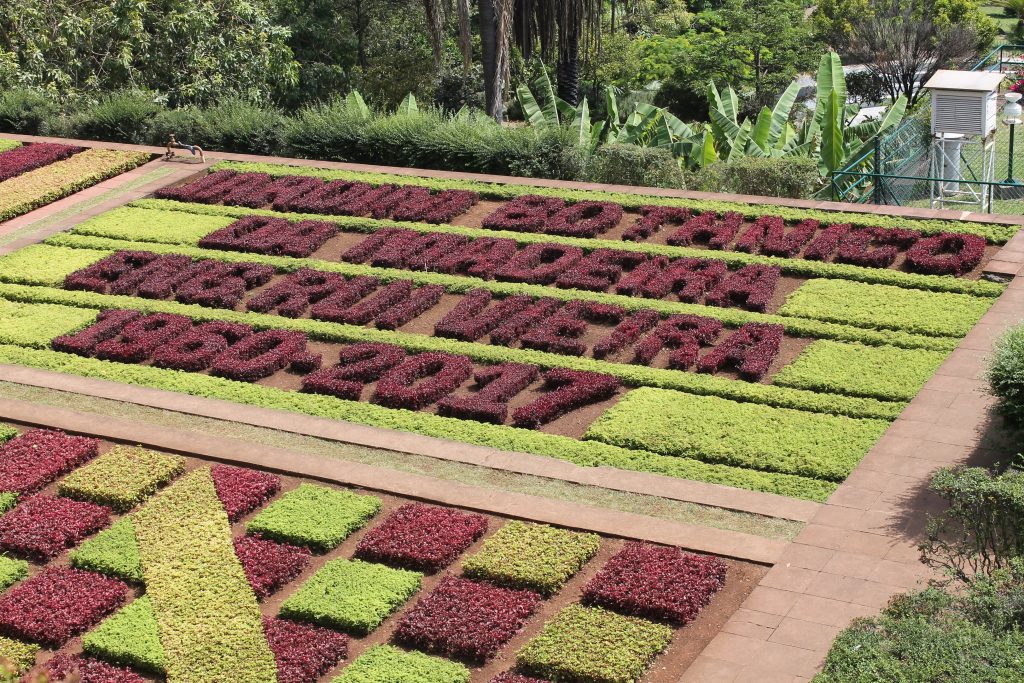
687, 642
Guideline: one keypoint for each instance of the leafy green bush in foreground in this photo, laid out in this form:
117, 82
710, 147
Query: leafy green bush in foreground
1006, 374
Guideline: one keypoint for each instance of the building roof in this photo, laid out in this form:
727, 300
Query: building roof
977, 81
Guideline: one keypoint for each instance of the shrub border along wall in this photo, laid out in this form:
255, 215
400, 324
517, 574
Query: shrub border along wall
994, 233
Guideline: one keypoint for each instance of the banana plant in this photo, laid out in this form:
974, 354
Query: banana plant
355, 102
408, 105
769, 135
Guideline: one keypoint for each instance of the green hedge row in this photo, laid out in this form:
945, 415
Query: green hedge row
457, 284
881, 372
199, 591
314, 516
45, 264
995, 233
741, 434
6, 144
586, 454
36, 325
632, 375
123, 477
130, 637
884, 307
117, 227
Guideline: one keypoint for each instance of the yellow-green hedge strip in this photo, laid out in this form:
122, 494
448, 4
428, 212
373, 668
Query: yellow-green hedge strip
36, 325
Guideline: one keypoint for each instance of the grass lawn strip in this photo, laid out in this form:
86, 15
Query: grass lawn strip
587, 454
36, 326
387, 664
133, 223
11, 571
631, 375
884, 307
209, 621
113, 552
742, 434
130, 637
593, 644
459, 284
21, 656
48, 184
123, 477
996, 233
315, 516
531, 556
352, 595
882, 372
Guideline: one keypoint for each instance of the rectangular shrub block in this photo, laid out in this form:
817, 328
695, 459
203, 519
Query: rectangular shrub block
386, 664
241, 489
155, 225
422, 537
303, 652
536, 557
35, 325
44, 264
886, 307
883, 372
314, 516
123, 477
43, 526
742, 434
32, 460
130, 637
351, 595
594, 645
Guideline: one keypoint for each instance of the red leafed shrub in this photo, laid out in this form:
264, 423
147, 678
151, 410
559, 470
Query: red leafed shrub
480, 258
561, 332
42, 527
584, 219
684, 334
303, 653
946, 254
108, 325
825, 244
751, 287
510, 677
125, 269
242, 490
220, 285
357, 365
528, 213
57, 604
421, 537
140, 337
89, 670
874, 247
386, 239
292, 296
497, 385
337, 197
195, 350
653, 219
567, 391
439, 208
207, 190
519, 323
656, 582
430, 249
31, 460
707, 227
335, 306
258, 190
393, 294
768, 236
750, 349
688, 278
539, 264
472, 317
264, 353
466, 619
289, 189
265, 235
269, 565
26, 158
418, 302
626, 333
422, 379
601, 269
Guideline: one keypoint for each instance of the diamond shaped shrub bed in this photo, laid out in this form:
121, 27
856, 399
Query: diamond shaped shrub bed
465, 619
314, 516
422, 537
242, 489
269, 565
57, 604
26, 158
123, 477
303, 653
37, 457
530, 556
89, 670
656, 582
43, 526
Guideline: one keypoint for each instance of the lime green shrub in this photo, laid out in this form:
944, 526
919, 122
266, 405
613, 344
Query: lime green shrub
123, 477
129, 637
314, 516
113, 552
36, 325
536, 557
22, 656
387, 664
11, 571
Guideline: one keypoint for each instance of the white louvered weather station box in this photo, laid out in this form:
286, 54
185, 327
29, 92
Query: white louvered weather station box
964, 102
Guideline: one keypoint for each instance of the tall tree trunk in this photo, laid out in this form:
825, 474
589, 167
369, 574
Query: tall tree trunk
489, 55
570, 21
465, 38
435, 27
360, 35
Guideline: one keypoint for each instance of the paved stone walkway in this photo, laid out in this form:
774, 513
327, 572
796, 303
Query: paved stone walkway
858, 549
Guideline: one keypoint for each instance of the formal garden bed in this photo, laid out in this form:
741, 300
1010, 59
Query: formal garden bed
178, 569
35, 174
646, 333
